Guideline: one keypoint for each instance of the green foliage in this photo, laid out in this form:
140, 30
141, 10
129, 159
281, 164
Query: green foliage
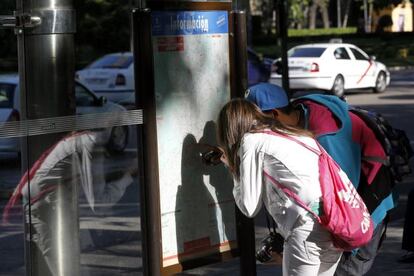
297, 16
103, 26
387, 48
330, 31
380, 4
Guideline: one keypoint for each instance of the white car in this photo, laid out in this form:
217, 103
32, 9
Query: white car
86, 102
335, 67
111, 76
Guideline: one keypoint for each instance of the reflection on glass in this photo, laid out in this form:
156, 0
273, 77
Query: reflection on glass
12, 232
81, 206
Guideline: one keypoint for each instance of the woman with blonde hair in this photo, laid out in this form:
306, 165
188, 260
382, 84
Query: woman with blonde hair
265, 164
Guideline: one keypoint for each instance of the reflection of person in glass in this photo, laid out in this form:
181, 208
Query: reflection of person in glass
49, 191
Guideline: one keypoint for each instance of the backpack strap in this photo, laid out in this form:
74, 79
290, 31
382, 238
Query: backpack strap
291, 194
384, 231
268, 221
286, 190
377, 159
270, 132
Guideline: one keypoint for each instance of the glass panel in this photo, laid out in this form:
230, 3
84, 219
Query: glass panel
341, 53
121, 60
11, 217
84, 97
110, 226
84, 204
79, 203
358, 54
306, 52
6, 95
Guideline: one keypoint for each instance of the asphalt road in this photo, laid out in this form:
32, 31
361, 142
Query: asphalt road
397, 105
111, 239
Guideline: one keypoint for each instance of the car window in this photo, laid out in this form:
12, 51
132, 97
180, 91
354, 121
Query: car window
358, 54
6, 95
113, 61
306, 52
341, 53
83, 96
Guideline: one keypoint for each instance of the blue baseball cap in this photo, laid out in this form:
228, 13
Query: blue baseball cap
267, 96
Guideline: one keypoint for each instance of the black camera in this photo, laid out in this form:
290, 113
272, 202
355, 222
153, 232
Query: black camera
272, 243
212, 157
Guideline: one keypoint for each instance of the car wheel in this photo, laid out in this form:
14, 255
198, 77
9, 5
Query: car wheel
338, 87
118, 140
380, 83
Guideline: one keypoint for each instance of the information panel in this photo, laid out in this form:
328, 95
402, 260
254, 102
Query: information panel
192, 83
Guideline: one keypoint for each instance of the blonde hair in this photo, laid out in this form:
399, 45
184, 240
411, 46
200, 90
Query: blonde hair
239, 117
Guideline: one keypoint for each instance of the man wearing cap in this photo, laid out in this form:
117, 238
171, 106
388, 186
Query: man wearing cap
347, 139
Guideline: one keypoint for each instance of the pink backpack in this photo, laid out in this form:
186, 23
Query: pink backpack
345, 215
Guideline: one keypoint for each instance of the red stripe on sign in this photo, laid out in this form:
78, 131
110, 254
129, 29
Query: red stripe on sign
197, 244
170, 44
365, 73
232, 245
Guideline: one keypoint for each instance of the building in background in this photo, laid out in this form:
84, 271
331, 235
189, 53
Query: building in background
397, 18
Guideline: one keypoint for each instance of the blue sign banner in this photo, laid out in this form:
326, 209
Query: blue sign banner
189, 23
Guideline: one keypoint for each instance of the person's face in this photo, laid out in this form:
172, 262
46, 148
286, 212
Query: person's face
280, 116
269, 113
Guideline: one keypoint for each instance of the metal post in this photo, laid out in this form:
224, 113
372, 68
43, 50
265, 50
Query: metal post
46, 70
239, 51
281, 9
145, 99
244, 225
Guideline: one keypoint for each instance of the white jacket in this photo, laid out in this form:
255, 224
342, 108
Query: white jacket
288, 162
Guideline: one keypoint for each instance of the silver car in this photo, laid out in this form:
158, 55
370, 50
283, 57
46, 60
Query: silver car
86, 102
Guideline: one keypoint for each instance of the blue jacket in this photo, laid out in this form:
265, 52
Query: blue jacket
343, 149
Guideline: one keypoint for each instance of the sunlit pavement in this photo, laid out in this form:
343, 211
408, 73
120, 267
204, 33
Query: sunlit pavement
125, 257
397, 104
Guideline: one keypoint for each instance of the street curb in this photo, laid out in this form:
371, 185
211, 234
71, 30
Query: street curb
400, 68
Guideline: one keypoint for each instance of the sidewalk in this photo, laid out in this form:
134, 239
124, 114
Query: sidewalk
385, 264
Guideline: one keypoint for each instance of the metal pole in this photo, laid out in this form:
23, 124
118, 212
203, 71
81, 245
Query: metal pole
147, 135
46, 70
239, 52
244, 225
281, 10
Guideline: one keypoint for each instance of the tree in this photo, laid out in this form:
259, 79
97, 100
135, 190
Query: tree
267, 8
322, 5
370, 5
346, 14
102, 26
298, 13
